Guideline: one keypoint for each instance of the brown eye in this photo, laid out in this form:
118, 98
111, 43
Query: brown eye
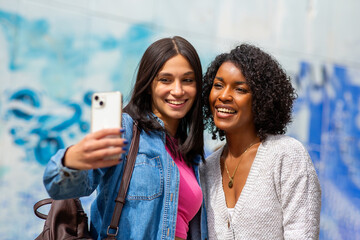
164, 80
217, 85
241, 90
188, 80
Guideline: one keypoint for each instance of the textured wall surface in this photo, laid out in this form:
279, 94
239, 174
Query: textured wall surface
55, 54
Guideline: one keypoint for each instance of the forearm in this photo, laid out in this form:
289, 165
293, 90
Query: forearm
62, 182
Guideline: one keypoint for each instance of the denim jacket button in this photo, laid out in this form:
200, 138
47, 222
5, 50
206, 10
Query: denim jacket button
66, 174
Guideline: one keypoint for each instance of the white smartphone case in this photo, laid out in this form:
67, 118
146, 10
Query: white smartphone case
106, 109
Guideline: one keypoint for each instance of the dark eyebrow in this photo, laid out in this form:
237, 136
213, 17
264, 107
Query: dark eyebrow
189, 73
165, 74
237, 82
240, 83
219, 78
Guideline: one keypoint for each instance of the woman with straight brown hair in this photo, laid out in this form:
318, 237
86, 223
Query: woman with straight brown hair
164, 199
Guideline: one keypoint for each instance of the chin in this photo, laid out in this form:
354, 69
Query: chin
178, 116
222, 127
221, 124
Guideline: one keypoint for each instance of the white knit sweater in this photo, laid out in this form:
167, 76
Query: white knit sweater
280, 200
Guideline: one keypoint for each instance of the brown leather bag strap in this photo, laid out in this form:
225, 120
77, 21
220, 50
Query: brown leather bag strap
120, 199
40, 204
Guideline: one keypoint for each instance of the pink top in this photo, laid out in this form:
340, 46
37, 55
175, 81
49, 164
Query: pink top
190, 195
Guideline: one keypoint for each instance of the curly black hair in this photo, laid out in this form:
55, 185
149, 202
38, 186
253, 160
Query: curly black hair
272, 93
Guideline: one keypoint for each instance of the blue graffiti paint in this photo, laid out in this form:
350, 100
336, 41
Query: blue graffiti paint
65, 59
47, 147
132, 46
305, 78
58, 62
333, 135
49, 136
87, 97
21, 114
18, 31
26, 96
84, 126
20, 141
343, 132
72, 120
66, 55
110, 43
12, 131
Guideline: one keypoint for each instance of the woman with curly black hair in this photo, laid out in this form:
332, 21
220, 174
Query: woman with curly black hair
261, 184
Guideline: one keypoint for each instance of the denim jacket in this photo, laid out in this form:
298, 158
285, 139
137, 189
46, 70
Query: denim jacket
151, 203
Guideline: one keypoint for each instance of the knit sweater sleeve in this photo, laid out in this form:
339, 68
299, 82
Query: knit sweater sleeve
300, 193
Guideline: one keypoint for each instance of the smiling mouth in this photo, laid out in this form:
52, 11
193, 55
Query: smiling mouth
176, 102
225, 110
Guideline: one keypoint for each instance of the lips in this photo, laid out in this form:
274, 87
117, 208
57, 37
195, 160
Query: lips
176, 102
225, 109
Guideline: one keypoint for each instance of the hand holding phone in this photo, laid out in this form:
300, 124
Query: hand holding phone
91, 151
106, 109
104, 141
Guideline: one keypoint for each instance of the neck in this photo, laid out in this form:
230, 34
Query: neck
171, 126
237, 143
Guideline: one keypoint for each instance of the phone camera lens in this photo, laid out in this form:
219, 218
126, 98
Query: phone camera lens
101, 103
96, 97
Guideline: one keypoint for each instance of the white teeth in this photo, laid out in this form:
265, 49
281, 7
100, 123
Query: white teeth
225, 110
175, 102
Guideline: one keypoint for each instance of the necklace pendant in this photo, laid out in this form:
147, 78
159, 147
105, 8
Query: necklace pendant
230, 184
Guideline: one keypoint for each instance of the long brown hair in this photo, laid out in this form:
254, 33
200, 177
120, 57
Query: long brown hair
190, 130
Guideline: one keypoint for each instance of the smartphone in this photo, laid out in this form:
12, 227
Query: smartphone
106, 110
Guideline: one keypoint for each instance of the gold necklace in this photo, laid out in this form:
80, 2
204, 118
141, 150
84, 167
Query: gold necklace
231, 179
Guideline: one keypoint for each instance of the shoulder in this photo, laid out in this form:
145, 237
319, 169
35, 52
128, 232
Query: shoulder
126, 120
283, 140
284, 145
289, 154
127, 124
211, 161
209, 172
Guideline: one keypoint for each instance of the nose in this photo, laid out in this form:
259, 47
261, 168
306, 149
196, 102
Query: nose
177, 88
225, 95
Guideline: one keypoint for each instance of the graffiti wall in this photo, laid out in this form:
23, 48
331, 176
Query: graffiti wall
329, 108
55, 54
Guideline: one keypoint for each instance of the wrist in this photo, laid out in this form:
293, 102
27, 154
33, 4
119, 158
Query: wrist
63, 160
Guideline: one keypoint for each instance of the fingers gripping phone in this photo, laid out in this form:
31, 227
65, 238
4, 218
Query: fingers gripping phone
106, 110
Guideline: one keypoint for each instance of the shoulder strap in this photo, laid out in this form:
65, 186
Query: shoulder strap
120, 199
